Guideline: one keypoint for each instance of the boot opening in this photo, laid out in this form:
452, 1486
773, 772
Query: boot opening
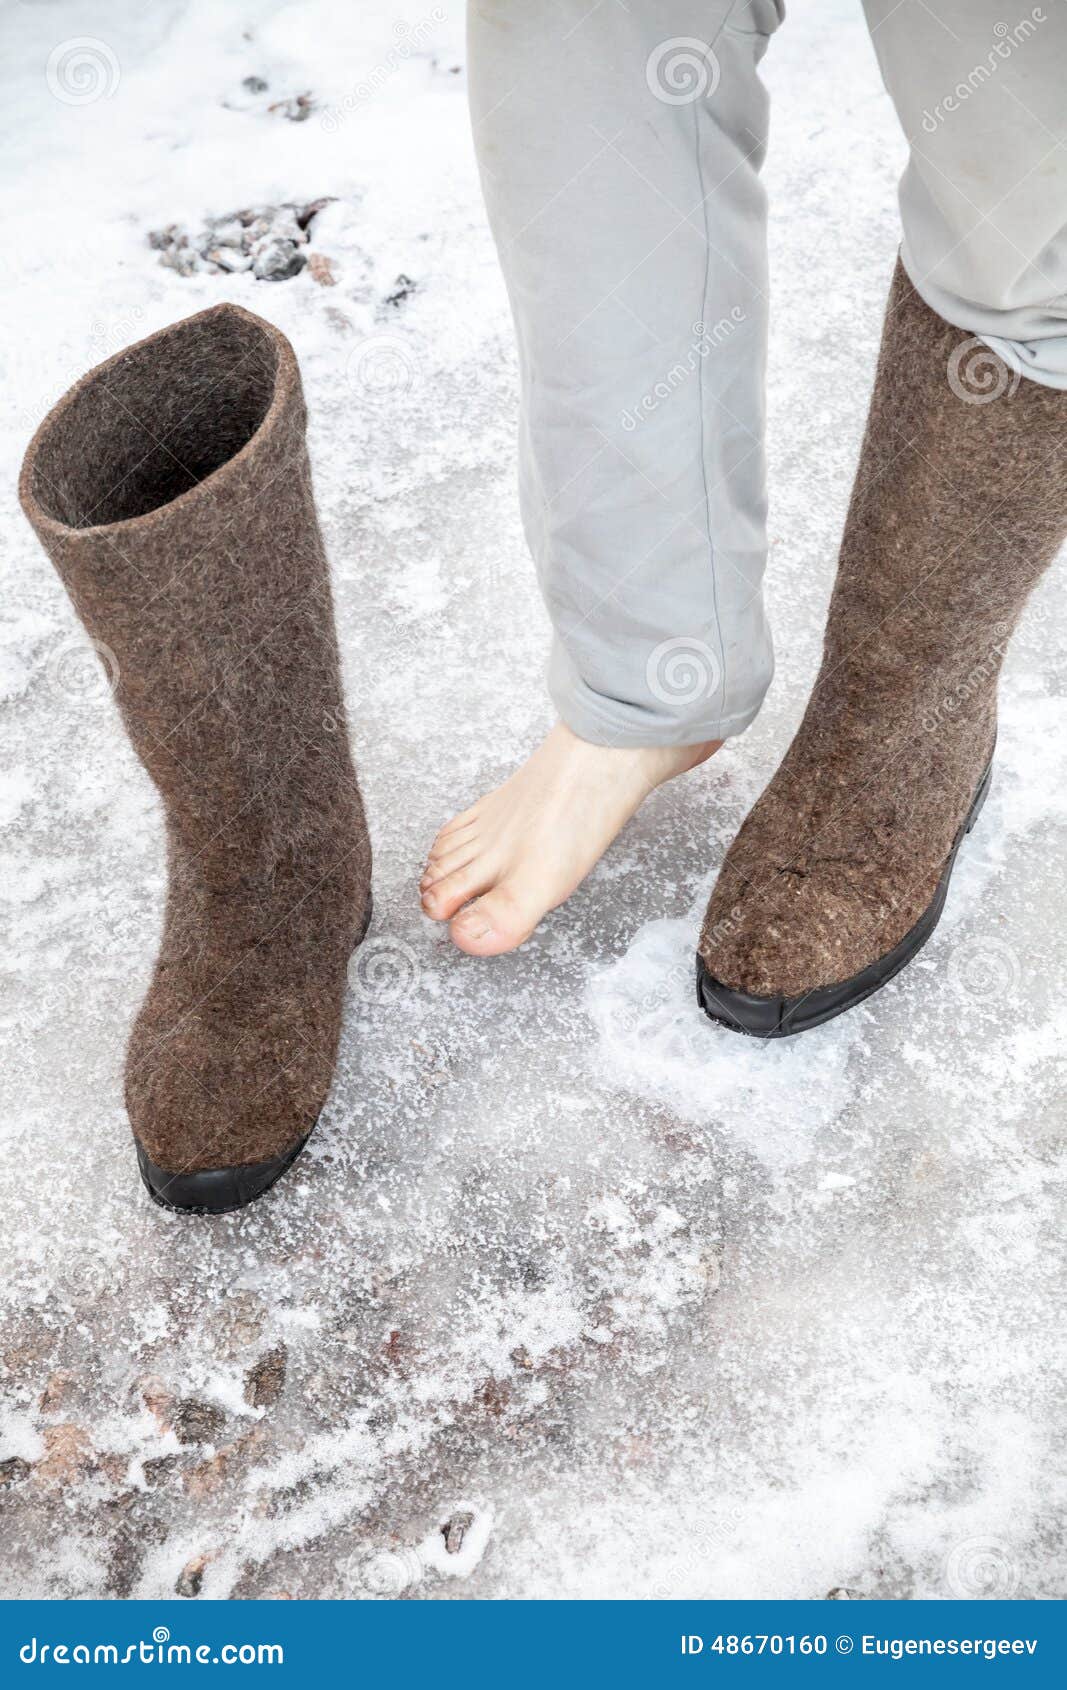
161, 419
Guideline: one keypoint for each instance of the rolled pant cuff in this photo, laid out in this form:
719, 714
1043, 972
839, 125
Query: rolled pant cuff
610, 722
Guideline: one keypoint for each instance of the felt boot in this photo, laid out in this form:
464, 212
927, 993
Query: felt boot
839, 874
172, 491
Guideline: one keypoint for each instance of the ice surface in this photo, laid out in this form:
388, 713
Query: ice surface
680, 1315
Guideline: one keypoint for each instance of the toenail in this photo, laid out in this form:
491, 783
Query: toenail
474, 925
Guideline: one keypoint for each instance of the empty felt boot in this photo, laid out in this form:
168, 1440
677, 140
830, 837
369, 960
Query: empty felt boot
172, 491
839, 874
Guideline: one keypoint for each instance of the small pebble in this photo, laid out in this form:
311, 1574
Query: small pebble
191, 1577
455, 1530
297, 109
12, 1471
227, 259
277, 260
321, 270
158, 1469
197, 1422
264, 1381
230, 232
401, 289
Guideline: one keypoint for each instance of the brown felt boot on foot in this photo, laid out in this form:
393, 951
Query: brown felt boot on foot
172, 491
839, 874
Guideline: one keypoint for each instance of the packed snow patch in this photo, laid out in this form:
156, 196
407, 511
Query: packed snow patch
770, 1097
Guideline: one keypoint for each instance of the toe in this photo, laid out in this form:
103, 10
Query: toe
447, 862
499, 922
444, 897
458, 824
449, 838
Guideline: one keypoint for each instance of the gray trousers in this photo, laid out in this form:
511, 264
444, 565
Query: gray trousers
620, 148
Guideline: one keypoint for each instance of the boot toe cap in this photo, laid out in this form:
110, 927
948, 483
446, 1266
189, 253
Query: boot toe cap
213, 1191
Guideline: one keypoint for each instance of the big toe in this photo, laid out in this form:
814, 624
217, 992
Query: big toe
498, 922
444, 897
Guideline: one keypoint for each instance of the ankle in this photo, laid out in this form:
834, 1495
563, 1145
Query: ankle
664, 762
660, 761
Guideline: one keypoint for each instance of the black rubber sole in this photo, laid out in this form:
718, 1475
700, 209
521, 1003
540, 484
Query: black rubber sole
781, 1018
218, 1191
213, 1191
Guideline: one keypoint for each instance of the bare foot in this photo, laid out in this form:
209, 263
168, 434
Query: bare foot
525, 847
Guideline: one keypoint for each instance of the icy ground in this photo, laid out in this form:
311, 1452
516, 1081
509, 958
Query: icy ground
648, 1311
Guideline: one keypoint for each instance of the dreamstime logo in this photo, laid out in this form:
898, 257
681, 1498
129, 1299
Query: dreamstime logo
412, 39
978, 679
682, 70
978, 375
1006, 39
69, 993
452, 1550
985, 970
392, 1571
383, 366
682, 671
83, 672
666, 990
981, 1567
706, 339
158, 1651
81, 71
383, 970
678, 1575
110, 336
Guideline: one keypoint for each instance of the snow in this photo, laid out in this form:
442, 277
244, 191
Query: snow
687, 1317
391, 1572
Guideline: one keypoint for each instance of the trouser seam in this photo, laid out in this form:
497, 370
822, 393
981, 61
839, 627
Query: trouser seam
701, 400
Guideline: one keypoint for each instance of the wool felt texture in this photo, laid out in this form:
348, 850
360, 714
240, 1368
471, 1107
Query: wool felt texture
958, 508
172, 490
